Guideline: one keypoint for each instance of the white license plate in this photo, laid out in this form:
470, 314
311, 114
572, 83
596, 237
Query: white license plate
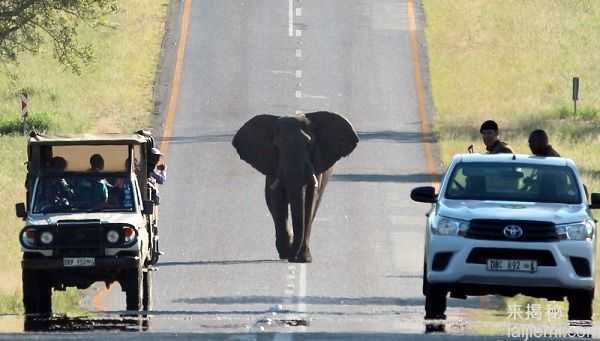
513, 265
73, 262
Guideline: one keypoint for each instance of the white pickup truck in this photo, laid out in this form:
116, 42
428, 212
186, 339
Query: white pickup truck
509, 224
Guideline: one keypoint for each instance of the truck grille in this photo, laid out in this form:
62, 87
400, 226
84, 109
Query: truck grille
480, 255
533, 231
72, 240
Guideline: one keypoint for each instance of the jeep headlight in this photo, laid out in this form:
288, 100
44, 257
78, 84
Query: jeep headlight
449, 227
46, 237
576, 231
29, 238
112, 236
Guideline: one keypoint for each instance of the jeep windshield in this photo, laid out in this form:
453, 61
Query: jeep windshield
84, 192
513, 182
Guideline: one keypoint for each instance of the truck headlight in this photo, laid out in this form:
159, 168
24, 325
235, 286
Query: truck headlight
576, 231
449, 227
46, 237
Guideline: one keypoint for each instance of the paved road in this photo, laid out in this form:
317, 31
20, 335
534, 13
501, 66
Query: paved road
221, 269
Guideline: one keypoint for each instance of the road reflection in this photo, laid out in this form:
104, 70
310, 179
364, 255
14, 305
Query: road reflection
132, 323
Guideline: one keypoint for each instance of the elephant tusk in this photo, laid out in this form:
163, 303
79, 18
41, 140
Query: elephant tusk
274, 185
315, 181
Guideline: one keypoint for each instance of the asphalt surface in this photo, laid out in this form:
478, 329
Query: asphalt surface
221, 273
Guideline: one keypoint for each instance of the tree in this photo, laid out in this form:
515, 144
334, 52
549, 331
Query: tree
26, 24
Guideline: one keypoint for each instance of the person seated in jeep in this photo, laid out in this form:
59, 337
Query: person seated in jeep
94, 191
58, 192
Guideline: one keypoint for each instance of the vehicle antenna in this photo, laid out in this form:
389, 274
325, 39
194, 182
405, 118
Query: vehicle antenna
514, 157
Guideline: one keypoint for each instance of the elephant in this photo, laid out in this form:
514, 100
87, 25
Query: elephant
296, 154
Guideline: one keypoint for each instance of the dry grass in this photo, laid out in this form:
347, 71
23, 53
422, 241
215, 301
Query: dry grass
113, 94
513, 61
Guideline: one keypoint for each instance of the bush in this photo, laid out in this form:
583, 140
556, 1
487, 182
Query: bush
13, 124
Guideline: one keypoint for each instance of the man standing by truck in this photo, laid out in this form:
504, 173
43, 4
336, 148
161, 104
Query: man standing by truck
491, 138
540, 145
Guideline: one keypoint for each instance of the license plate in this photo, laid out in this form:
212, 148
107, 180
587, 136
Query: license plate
73, 262
512, 265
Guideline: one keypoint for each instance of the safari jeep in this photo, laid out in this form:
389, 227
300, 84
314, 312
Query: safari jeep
90, 216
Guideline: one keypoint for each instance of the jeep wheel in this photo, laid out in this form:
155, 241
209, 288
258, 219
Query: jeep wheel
133, 283
147, 296
37, 293
435, 302
580, 305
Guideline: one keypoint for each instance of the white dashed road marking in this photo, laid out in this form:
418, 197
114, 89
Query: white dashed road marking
291, 18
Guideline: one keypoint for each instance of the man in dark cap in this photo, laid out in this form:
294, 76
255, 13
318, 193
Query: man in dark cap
490, 135
539, 144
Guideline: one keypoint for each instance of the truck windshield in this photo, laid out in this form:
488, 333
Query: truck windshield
513, 182
85, 192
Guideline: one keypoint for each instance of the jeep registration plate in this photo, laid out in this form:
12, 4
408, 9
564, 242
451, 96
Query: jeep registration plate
513, 265
74, 262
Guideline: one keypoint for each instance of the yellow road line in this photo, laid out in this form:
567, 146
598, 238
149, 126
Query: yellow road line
176, 82
424, 117
171, 110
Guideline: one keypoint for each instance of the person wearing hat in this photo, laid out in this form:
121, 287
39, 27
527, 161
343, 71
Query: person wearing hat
539, 144
158, 174
491, 138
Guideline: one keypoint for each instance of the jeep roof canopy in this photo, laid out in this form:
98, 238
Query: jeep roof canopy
117, 150
88, 139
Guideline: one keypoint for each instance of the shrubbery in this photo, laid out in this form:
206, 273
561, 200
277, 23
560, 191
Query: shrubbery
13, 124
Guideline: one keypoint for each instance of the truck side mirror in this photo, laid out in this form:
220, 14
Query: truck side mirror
148, 207
21, 210
424, 194
595, 200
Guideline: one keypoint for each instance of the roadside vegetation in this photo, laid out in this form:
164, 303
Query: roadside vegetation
513, 61
110, 92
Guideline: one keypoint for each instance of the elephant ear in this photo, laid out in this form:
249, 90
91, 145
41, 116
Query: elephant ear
336, 138
254, 143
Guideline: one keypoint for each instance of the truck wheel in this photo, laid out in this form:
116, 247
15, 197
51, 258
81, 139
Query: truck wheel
147, 297
134, 289
37, 293
435, 302
580, 305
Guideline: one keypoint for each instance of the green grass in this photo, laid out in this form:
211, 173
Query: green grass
113, 94
513, 61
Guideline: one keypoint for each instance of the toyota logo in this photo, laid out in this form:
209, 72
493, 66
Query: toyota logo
513, 232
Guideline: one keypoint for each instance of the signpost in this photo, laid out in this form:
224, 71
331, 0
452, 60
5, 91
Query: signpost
24, 111
575, 94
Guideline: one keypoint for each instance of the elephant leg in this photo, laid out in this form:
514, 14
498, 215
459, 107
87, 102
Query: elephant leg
311, 205
301, 219
278, 207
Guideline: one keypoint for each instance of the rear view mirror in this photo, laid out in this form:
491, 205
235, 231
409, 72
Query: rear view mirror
148, 207
595, 200
21, 210
423, 194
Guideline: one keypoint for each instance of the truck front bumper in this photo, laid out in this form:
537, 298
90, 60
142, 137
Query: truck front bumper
100, 263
